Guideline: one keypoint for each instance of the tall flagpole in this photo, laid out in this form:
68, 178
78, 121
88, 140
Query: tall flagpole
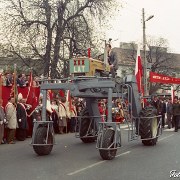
15, 83
0, 86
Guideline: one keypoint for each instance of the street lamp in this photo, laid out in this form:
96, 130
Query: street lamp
144, 50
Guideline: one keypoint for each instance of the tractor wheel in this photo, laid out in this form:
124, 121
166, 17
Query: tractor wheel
108, 138
149, 126
84, 128
40, 138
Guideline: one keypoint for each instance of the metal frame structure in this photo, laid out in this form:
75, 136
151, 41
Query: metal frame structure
92, 89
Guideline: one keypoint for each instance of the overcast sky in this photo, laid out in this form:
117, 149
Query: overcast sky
127, 26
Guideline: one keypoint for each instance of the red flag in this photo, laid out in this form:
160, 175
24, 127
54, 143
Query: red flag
0, 86
33, 94
139, 71
61, 93
89, 52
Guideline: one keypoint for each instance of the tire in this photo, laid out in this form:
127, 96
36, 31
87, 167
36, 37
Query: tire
148, 127
40, 137
84, 125
108, 138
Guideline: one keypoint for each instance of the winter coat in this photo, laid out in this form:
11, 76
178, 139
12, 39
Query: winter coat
73, 111
161, 108
10, 111
2, 114
169, 108
62, 110
21, 116
176, 109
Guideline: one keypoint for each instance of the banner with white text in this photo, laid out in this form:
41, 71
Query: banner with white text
161, 78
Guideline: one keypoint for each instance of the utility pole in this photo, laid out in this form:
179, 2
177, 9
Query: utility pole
144, 52
145, 82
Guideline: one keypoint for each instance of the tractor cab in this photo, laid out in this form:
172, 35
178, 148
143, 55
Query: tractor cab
85, 66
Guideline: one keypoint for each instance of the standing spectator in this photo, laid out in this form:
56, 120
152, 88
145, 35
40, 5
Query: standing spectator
21, 81
9, 79
169, 113
101, 107
162, 110
2, 121
25, 79
54, 115
155, 102
62, 115
112, 60
176, 113
35, 82
21, 119
10, 111
73, 117
68, 105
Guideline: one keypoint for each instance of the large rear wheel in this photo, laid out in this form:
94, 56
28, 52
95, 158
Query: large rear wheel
149, 128
107, 142
40, 138
86, 128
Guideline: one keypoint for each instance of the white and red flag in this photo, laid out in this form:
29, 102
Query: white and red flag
139, 71
68, 99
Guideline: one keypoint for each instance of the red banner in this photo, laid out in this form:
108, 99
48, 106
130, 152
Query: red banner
35, 91
160, 78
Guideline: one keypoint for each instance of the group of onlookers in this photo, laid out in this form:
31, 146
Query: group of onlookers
13, 119
64, 115
22, 80
170, 109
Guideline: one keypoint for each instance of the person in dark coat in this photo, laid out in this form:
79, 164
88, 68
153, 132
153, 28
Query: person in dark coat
162, 110
2, 121
176, 113
169, 113
155, 102
20, 81
9, 79
21, 119
112, 60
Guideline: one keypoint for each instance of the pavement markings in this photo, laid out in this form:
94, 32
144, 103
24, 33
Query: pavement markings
166, 137
170, 130
95, 164
98, 163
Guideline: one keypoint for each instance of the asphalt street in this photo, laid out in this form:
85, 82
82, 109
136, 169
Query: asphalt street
71, 159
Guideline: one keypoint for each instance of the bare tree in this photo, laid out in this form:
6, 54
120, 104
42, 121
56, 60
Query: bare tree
160, 60
48, 25
157, 56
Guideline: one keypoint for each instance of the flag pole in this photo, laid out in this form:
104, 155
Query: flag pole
15, 83
0, 86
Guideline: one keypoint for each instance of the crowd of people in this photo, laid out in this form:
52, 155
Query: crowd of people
169, 110
14, 118
22, 80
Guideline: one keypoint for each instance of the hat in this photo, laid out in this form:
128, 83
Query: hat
20, 96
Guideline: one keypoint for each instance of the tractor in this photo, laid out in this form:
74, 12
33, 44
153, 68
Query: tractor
90, 80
